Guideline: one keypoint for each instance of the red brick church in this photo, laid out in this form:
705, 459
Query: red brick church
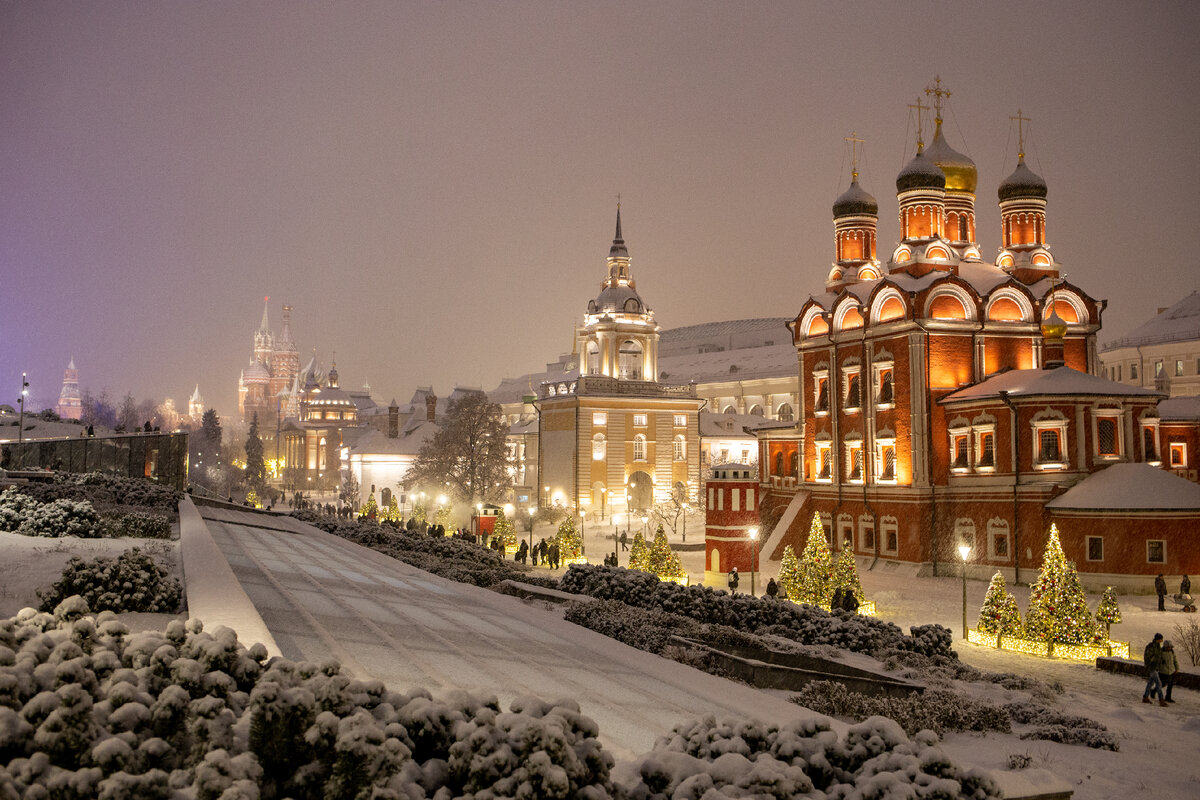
947, 400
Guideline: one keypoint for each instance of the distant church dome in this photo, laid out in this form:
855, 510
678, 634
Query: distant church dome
855, 200
618, 299
960, 171
1023, 182
256, 373
920, 173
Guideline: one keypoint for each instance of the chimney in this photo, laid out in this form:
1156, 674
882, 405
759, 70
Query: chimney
431, 407
393, 420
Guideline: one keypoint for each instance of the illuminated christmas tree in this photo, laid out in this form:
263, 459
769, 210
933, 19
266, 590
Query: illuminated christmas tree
393, 510
1108, 613
418, 513
442, 517
370, 509
1058, 610
505, 530
663, 561
639, 554
845, 574
570, 543
252, 499
999, 614
816, 568
789, 573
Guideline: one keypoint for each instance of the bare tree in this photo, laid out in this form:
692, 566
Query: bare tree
467, 454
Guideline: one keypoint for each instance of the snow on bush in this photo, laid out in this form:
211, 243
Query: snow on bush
801, 623
1058, 726
130, 582
936, 710
63, 516
104, 491
734, 758
137, 525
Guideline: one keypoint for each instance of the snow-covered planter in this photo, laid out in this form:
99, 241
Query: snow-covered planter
130, 582
803, 623
1071, 652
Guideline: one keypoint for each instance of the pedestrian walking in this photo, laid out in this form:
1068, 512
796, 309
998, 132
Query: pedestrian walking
545, 550
772, 589
554, 555
1169, 668
837, 603
733, 580
624, 540
1160, 588
1185, 585
850, 602
1152, 657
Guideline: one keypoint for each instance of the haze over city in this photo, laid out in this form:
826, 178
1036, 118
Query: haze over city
432, 187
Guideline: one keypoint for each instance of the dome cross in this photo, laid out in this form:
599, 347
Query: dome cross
1021, 120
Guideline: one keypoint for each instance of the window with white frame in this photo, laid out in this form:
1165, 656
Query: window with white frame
1050, 442
1095, 548
845, 531
639, 420
985, 449
1156, 551
1150, 443
852, 380
599, 447
998, 539
824, 466
885, 458
885, 389
889, 535
785, 413
1108, 434
1177, 453
679, 450
964, 533
960, 455
1133, 371
681, 420
855, 468
821, 393
600, 418
639, 448
866, 534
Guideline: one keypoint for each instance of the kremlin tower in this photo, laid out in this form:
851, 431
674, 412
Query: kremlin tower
267, 386
70, 404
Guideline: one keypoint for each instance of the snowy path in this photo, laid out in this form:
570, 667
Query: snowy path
321, 596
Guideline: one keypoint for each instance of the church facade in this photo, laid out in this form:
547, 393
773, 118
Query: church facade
269, 386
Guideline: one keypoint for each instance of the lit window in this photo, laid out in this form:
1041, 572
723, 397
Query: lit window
1050, 444
599, 447
639, 448
853, 391
885, 461
1156, 551
986, 452
1178, 367
680, 449
681, 420
884, 390
1106, 437
1178, 452
822, 394
1095, 548
1158, 368
959, 457
639, 420
599, 418
824, 461
854, 457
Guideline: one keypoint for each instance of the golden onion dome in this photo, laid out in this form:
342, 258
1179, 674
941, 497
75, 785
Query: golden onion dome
961, 173
1054, 326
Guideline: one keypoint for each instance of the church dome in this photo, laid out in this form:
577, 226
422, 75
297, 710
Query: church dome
920, 173
256, 373
1054, 326
1023, 182
616, 299
960, 171
855, 200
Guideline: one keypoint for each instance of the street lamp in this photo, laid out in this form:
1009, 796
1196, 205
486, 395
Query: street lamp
685, 510
754, 562
21, 419
582, 533
645, 530
616, 526
964, 550
531, 510
601, 505
547, 500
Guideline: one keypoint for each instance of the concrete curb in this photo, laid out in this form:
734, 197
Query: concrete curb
214, 594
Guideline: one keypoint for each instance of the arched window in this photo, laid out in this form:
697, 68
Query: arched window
729, 410
947, 306
599, 447
639, 447
892, 308
786, 413
818, 326
756, 410
679, 451
593, 358
851, 319
1005, 309
629, 361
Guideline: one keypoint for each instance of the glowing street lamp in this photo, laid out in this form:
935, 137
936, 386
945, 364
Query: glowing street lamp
753, 563
964, 550
616, 526
582, 532
21, 401
645, 530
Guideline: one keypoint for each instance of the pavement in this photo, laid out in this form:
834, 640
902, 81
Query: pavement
309, 595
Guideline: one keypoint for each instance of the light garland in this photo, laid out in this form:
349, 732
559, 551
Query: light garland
1072, 652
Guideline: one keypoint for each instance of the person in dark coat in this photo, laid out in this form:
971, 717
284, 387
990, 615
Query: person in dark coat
1169, 668
1152, 657
554, 555
1160, 588
850, 602
544, 549
624, 540
733, 580
772, 589
839, 599
1185, 585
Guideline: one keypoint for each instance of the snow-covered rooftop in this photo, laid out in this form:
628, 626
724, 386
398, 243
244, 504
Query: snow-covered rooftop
1177, 409
728, 426
1130, 487
1178, 323
1057, 381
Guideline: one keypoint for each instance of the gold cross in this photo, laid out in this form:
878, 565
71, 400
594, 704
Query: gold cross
940, 95
1021, 132
920, 130
854, 142
618, 201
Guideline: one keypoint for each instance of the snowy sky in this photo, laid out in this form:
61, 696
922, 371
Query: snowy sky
432, 185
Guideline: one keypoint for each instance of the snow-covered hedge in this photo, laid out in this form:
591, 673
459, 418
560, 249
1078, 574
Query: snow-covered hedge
130, 582
713, 759
802, 623
936, 710
22, 514
105, 491
1058, 726
137, 525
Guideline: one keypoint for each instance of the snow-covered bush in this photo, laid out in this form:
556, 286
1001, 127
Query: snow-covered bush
1057, 726
936, 710
137, 525
130, 582
801, 623
743, 758
107, 492
41, 514
15, 508
648, 630
63, 517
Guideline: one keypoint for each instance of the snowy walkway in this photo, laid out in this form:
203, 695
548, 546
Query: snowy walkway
321, 596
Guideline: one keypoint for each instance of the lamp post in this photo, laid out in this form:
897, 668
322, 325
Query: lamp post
685, 510
616, 527
583, 533
964, 550
21, 419
754, 561
531, 511
479, 519
602, 505
546, 502
645, 530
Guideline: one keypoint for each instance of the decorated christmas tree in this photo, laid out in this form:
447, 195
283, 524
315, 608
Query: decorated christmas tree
418, 513
789, 573
999, 615
1108, 613
1058, 610
252, 499
393, 510
442, 517
505, 530
370, 509
639, 554
570, 543
663, 561
816, 568
845, 574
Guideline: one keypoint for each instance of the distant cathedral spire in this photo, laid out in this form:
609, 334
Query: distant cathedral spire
70, 404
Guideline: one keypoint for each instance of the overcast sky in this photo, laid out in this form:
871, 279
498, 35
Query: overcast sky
432, 185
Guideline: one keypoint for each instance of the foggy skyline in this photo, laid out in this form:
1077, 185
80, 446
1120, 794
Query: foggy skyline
432, 187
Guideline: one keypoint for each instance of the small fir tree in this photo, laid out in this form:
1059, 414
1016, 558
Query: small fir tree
999, 614
505, 530
816, 568
442, 517
256, 466
845, 574
663, 561
252, 499
639, 554
418, 513
370, 509
1058, 610
1108, 613
393, 510
789, 573
570, 543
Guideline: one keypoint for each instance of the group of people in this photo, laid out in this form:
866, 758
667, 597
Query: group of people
1185, 591
546, 552
1161, 667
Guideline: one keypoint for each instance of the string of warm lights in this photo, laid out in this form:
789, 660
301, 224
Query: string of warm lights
1072, 652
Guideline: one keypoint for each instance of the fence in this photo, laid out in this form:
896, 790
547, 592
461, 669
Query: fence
161, 457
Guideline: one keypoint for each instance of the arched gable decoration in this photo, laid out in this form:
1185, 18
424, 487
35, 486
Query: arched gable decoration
950, 301
813, 323
1069, 306
936, 251
888, 305
847, 317
1009, 305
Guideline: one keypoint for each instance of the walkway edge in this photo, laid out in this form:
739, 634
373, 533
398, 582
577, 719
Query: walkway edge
214, 595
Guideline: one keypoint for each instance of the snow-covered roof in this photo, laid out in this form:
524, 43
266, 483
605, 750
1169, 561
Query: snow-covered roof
1130, 487
1041, 382
1180, 409
374, 442
1178, 323
728, 426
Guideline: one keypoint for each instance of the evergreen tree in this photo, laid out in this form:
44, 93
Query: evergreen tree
418, 513
1058, 610
845, 574
816, 568
252, 499
789, 573
1108, 613
570, 543
663, 561
999, 614
442, 517
505, 530
639, 554
370, 509
256, 466
392, 512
